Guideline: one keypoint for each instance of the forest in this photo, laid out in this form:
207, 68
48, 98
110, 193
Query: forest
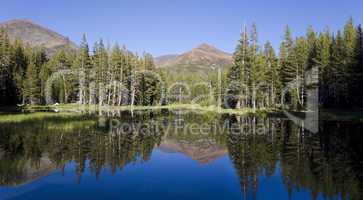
115, 76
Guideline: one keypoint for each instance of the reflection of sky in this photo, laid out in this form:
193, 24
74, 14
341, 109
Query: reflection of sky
274, 188
164, 176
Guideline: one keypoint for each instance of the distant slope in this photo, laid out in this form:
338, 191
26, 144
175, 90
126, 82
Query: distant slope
165, 60
203, 151
36, 35
200, 59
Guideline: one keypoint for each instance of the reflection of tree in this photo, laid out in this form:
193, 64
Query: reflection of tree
322, 162
327, 163
76, 141
253, 153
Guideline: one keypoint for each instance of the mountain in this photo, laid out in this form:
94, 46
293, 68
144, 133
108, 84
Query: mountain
202, 151
36, 35
200, 59
165, 60
28, 172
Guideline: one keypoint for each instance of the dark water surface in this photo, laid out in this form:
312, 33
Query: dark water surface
163, 155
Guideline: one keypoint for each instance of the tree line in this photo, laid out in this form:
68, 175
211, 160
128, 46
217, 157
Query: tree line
107, 76
260, 77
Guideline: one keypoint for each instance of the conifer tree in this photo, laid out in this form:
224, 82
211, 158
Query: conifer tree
272, 74
238, 74
288, 70
20, 63
116, 69
82, 64
358, 71
100, 62
62, 87
320, 55
254, 65
7, 84
349, 38
338, 86
147, 82
301, 52
32, 84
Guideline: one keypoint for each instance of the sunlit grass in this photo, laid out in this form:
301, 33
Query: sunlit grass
15, 118
195, 107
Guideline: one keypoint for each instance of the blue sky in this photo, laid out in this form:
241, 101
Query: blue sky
174, 26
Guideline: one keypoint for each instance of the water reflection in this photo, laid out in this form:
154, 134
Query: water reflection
328, 164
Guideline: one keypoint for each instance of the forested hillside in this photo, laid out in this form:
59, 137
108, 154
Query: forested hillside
116, 76
338, 58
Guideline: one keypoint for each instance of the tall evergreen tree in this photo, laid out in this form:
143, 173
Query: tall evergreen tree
358, 71
20, 62
32, 84
117, 73
273, 74
301, 52
147, 83
350, 40
338, 85
320, 55
7, 83
82, 65
100, 62
254, 65
288, 67
238, 74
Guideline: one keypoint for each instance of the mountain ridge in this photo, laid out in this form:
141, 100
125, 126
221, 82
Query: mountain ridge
201, 58
36, 35
203, 152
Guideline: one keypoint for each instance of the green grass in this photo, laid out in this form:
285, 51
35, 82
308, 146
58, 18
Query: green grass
16, 118
195, 107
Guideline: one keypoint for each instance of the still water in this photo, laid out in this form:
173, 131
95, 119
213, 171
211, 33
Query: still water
168, 155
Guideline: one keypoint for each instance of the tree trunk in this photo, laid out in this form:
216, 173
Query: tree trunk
254, 96
132, 96
65, 90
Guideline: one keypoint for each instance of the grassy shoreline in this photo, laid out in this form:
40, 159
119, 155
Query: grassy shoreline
193, 107
17, 113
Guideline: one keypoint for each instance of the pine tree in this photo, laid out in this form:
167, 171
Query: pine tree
62, 88
82, 64
100, 62
238, 74
147, 82
117, 71
273, 74
338, 86
301, 52
287, 65
320, 57
254, 66
20, 63
349, 43
358, 69
287, 59
32, 84
7, 84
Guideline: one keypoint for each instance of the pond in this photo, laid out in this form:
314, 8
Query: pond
177, 155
